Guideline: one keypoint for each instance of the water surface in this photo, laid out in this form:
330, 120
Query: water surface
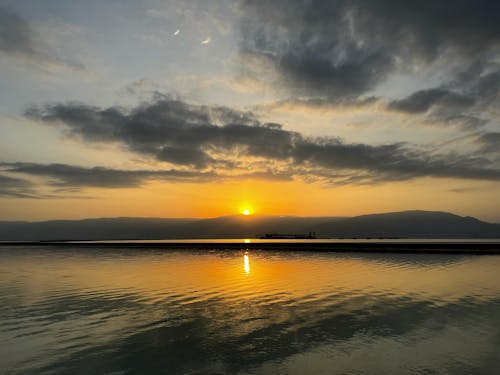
139, 310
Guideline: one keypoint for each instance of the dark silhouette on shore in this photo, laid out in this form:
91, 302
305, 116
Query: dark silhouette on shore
279, 236
407, 224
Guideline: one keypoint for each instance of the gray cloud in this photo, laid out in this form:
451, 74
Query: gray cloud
320, 103
64, 178
489, 142
16, 187
345, 48
171, 130
468, 101
391, 162
217, 138
16, 35
18, 38
424, 100
68, 176
309, 45
486, 87
442, 106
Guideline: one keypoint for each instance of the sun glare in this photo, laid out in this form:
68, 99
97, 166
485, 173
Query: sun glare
246, 209
246, 264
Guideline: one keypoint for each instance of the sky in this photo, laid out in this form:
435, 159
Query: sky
202, 108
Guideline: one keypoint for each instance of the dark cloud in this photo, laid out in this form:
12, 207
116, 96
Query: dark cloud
16, 187
344, 48
63, 175
214, 138
65, 178
16, 35
470, 100
18, 38
465, 121
424, 100
320, 103
309, 45
486, 87
316, 73
390, 162
465, 190
171, 130
441, 107
489, 142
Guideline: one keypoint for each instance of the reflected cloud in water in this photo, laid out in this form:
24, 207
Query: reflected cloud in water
151, 311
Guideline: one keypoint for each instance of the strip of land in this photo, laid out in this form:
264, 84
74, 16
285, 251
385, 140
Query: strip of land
472, 247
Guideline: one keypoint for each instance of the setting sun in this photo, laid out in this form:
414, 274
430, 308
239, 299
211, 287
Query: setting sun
246, 212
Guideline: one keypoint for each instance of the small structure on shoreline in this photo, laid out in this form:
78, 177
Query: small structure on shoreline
279, 236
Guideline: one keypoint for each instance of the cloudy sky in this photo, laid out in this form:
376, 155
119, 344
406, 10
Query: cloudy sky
202, 108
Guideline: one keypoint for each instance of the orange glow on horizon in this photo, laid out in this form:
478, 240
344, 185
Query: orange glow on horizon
297, 198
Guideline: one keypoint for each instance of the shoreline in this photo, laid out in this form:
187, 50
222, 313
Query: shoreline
430, 247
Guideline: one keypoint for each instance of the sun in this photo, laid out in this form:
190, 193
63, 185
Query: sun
246, 209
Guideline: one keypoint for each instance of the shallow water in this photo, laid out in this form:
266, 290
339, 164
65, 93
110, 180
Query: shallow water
92, 311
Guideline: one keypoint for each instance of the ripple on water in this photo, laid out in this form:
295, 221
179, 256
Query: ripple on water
139, 311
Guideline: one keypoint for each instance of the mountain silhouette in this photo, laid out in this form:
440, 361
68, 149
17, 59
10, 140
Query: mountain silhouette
410, 224
406, 224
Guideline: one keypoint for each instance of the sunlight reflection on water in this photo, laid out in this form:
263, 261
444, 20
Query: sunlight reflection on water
68, 310
246, 264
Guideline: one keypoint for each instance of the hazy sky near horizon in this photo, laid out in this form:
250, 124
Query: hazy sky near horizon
202, 108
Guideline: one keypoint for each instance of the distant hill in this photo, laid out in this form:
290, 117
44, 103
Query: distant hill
410, 224
407, 224
237, 226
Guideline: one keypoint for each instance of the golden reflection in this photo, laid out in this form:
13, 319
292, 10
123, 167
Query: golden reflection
151, 274
246, 264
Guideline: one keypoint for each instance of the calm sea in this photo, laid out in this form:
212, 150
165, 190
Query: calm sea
70, 310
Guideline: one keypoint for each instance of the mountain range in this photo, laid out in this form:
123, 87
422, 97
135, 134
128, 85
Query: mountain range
406, 224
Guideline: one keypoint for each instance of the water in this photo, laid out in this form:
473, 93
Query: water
67, 310
495, 241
